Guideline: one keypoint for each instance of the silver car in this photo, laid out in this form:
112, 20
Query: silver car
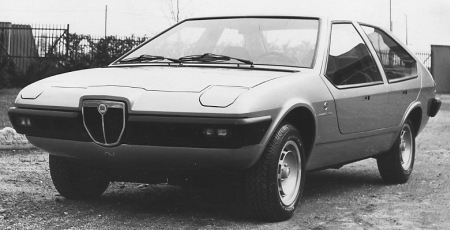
264, 98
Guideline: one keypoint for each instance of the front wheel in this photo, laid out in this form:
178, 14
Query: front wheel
75, 181
396, 165
275, 184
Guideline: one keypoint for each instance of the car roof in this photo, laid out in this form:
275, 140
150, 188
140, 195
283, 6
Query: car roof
320, 17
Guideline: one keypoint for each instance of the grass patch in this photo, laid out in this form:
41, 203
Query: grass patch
7, 97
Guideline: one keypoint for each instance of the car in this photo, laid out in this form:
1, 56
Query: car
263, 98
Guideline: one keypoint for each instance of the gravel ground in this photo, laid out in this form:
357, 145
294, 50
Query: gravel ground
353, 197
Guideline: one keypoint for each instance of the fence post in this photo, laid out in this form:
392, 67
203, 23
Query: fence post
67, 41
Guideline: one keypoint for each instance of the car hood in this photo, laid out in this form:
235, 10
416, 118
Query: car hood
151, 88
168, 79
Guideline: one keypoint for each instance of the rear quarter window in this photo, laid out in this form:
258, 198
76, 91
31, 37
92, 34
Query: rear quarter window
397, 63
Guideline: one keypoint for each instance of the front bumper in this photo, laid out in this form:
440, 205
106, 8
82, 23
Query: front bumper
148, 130
151, 158
160, 141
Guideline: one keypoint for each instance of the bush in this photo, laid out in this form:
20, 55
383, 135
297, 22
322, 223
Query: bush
9, 75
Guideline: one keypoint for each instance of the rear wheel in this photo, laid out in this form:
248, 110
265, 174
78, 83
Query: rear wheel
275, 184
396, 165
75, 181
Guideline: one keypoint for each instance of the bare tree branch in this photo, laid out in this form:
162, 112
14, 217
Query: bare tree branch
174, 11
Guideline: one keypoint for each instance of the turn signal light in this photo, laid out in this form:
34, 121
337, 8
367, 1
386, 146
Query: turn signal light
213, 132
222, 132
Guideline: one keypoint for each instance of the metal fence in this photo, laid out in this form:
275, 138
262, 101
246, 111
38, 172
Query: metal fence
388, 58
27, 44
24, 44
425, 58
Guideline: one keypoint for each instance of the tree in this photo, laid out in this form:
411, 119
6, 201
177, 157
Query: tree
176, 10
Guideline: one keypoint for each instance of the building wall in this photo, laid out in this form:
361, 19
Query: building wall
17, 43
440, 67
5, 38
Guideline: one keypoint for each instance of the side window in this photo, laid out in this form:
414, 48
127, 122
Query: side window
349, 60
397, 63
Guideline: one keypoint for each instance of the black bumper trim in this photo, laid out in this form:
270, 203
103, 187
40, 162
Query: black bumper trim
50, 124
147, 130
188, 132
198, 120
47, 113
433, 106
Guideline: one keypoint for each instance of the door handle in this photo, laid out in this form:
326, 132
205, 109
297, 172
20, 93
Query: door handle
366, 98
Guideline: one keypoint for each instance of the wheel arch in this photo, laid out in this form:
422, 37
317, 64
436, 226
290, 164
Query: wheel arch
415, 114
303, 120
416, 117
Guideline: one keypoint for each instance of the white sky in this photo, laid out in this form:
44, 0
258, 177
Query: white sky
428, 20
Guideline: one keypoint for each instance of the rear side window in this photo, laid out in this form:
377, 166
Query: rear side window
398, 64
350, 62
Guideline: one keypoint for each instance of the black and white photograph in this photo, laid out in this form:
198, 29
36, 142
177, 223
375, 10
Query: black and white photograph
250, 114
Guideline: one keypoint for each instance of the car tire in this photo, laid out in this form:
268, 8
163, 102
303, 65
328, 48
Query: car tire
397, 164
75, 181
274, 185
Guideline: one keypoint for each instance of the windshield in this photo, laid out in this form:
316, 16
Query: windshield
265, 41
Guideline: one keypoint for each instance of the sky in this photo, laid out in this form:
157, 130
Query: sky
427, 22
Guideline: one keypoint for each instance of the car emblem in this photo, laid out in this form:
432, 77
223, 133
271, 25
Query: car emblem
102, 109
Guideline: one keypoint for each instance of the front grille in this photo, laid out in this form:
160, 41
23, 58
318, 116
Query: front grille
104, 121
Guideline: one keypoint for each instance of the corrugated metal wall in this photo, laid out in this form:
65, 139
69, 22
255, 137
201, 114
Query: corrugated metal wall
440, 67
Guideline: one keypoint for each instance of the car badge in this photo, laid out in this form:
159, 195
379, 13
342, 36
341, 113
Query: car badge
102, 109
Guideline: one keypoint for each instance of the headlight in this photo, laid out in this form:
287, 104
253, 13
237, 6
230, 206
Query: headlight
221, 96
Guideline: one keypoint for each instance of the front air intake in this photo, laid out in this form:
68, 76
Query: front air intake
104, 121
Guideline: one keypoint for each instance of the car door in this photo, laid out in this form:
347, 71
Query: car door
357, 86
401, 72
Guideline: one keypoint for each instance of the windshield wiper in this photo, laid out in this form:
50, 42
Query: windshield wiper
146, 57
209, 57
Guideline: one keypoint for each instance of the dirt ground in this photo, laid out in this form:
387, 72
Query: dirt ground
353, 197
